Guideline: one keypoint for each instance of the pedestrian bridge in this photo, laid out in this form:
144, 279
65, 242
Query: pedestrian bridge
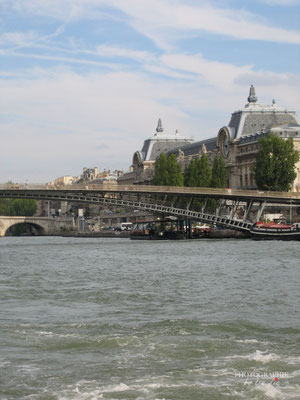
43, 225
182, 202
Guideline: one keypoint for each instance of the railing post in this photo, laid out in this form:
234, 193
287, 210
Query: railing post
219, 207
234, 208
260, 210
247, 210
190, 202
205, 204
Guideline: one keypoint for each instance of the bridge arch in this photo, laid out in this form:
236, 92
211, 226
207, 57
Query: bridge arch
36, 231
7, 223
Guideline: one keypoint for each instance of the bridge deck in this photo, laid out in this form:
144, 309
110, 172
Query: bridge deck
242, 195
150, 198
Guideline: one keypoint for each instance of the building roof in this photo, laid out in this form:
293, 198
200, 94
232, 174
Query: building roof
255, 117
162, 142
195, 148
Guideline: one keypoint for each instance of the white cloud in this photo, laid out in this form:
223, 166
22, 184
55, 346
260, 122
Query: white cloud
64, 118
113, 51
17, 39
228, 77
165, 20
60, 119
71, 60
213, 73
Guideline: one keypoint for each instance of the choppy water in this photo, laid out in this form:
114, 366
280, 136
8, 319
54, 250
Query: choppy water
119, 319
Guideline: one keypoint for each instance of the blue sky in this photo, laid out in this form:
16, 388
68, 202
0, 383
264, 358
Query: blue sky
83, 82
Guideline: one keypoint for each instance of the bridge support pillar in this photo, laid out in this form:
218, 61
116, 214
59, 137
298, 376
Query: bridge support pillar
189, 203
220, 206
247, 210
234, 208
205, 204
260, 210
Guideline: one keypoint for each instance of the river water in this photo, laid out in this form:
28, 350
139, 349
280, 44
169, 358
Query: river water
111, 319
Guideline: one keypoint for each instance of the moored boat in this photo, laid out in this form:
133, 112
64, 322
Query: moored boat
168, 229
269, 231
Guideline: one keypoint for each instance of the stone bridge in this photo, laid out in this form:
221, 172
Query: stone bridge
43, 225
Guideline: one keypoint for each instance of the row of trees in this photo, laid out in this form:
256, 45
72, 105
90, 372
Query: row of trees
197, 173
18, 207
273, 170
167, 171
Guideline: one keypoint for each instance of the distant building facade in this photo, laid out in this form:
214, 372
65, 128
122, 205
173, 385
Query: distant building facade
93, 175
64, 180
238, 141
142, 168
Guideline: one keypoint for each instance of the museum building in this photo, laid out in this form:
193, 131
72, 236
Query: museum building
237, 142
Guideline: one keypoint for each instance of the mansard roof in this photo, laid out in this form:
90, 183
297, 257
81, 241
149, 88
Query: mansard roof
255, 117
195, 148
162, 142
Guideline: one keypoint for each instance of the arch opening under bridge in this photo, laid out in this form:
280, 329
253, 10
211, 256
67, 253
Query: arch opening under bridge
24, 229
41, 225
12, 225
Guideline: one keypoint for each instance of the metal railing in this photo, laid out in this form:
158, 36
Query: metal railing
180, 190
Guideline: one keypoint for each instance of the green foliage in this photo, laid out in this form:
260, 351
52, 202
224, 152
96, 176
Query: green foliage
160, 171
198, 173
219, 173
4, 206
175, 176
190, 173
274, 168
18, 207
204, 172
167, 171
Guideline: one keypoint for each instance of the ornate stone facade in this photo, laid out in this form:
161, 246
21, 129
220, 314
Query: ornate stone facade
237, 142
142, 169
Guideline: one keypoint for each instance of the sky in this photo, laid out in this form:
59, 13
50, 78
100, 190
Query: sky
83, 82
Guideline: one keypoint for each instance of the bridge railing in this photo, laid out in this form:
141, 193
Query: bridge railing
32, 186
150, 189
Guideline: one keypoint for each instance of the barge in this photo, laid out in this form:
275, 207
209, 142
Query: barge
167, 229
273, 231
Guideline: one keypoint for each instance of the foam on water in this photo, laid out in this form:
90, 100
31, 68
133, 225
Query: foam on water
263, 357
247, 341
275, 392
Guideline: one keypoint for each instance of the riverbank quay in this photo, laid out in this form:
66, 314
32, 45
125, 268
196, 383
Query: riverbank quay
213, 234
226, 234
101, 234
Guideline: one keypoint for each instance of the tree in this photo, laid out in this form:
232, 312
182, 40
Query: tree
175, 176
160, 171
274, 168
219, 173
167, 171
198, 173
3, 206
204, 171
190, 174
18, 207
